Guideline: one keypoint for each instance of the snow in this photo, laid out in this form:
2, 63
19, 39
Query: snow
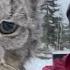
61, 52
63, 9
37, 63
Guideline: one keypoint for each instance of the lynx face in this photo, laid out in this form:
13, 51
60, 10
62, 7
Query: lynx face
13, 32
20, 27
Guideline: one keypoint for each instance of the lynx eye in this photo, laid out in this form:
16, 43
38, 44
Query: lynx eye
7, 27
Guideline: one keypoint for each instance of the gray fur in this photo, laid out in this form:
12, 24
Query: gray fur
19, 45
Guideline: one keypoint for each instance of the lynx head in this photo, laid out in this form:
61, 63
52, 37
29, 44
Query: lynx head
20, 23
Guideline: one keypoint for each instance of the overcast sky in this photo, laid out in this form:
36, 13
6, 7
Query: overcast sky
63, 8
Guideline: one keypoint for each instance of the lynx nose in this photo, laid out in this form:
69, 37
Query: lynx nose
7, 27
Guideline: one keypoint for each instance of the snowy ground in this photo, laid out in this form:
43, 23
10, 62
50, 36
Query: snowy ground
37, 64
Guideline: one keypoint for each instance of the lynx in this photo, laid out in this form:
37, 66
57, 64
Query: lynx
20, 30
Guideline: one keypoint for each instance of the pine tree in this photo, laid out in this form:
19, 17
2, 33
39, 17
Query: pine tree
52, 27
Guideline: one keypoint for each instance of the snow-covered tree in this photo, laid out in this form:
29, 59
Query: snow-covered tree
52, 26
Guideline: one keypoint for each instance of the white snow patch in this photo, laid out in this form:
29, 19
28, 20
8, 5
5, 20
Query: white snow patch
61, 52
37, 64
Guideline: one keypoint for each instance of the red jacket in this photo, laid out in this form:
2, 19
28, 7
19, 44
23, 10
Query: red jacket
60, 64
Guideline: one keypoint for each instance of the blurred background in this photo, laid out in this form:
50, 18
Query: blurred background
56, 27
